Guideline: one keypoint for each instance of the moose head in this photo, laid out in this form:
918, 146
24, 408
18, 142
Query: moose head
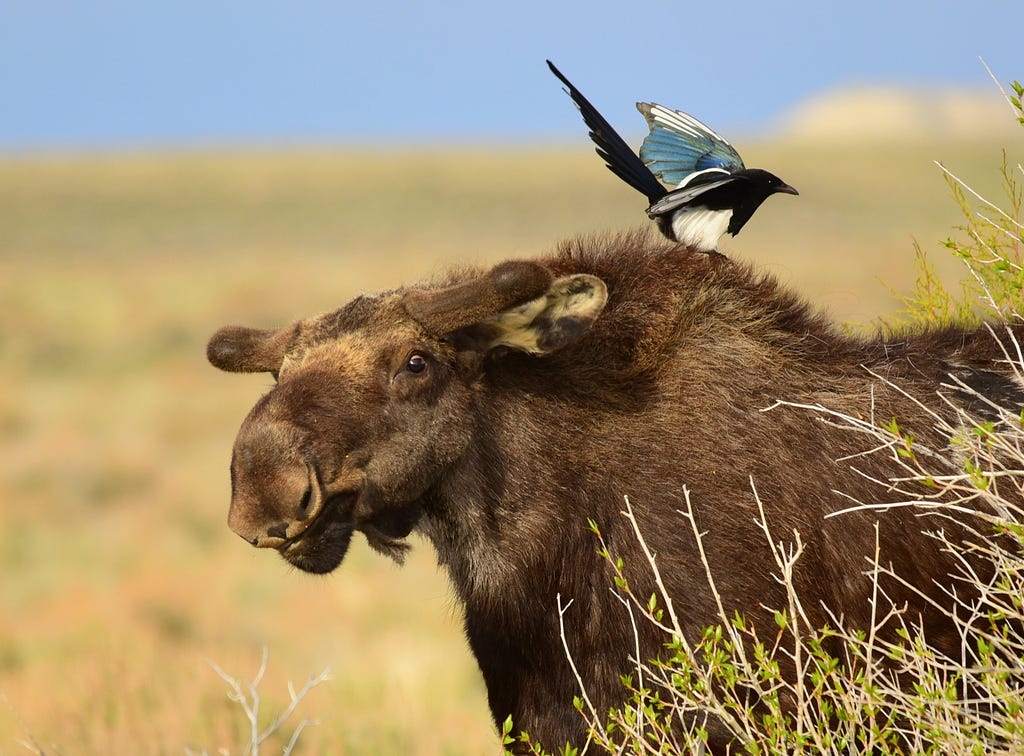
373, 403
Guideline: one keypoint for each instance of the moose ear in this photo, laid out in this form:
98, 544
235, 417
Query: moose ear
238, 349
555, 319
509, 284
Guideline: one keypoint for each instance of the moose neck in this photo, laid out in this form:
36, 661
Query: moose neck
476, 516
511, 531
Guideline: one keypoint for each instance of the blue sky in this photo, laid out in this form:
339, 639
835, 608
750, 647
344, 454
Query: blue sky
106, 74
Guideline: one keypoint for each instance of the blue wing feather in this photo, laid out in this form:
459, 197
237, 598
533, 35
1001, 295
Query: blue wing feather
680, 145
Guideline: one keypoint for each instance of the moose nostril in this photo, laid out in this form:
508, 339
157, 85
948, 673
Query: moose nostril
303, 509
278, 531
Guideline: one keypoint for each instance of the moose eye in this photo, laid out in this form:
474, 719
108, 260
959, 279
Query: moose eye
416, 363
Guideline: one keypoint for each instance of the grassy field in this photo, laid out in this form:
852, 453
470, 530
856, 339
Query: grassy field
120, 578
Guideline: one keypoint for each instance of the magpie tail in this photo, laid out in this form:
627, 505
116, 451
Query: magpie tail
617, 155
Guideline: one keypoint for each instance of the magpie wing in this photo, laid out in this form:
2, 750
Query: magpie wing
679, 145
617, 155
685, 195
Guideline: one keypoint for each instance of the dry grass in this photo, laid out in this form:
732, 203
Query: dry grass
120, 577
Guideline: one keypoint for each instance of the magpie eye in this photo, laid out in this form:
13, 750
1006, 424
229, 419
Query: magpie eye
416, 363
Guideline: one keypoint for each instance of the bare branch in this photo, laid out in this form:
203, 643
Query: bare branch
595, 719
31, 743
248, 698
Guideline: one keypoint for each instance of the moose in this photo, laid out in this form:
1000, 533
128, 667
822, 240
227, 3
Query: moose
500, 412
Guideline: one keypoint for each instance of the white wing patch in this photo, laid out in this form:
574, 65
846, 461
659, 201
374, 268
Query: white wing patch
689, 179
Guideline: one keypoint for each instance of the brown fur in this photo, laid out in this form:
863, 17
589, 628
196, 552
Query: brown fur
500, 457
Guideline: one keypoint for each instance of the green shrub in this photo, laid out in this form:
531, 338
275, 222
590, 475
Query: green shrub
988, 241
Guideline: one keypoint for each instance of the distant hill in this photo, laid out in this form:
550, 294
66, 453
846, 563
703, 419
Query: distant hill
898, 113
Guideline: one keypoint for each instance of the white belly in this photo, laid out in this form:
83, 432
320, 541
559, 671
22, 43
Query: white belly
700, 228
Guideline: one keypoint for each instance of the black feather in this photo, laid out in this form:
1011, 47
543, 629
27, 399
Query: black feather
617, 155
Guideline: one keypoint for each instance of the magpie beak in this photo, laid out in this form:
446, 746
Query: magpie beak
714, 194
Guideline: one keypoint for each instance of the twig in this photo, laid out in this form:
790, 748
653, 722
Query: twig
637, 660
676, 627
31, 744
999, 86
967, 188
249, 699
595, 719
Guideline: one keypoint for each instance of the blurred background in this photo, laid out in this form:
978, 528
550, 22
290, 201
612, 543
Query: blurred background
168, 168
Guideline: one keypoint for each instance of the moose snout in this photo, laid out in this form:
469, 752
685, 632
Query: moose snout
259, 531
282, 509
275, 536
267, 522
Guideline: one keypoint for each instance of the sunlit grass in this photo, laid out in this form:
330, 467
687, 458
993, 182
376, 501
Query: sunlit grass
120, 577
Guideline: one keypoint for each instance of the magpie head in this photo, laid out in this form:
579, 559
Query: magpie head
758, 186
769, 183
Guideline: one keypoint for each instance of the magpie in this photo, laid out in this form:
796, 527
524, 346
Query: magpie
714, 194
